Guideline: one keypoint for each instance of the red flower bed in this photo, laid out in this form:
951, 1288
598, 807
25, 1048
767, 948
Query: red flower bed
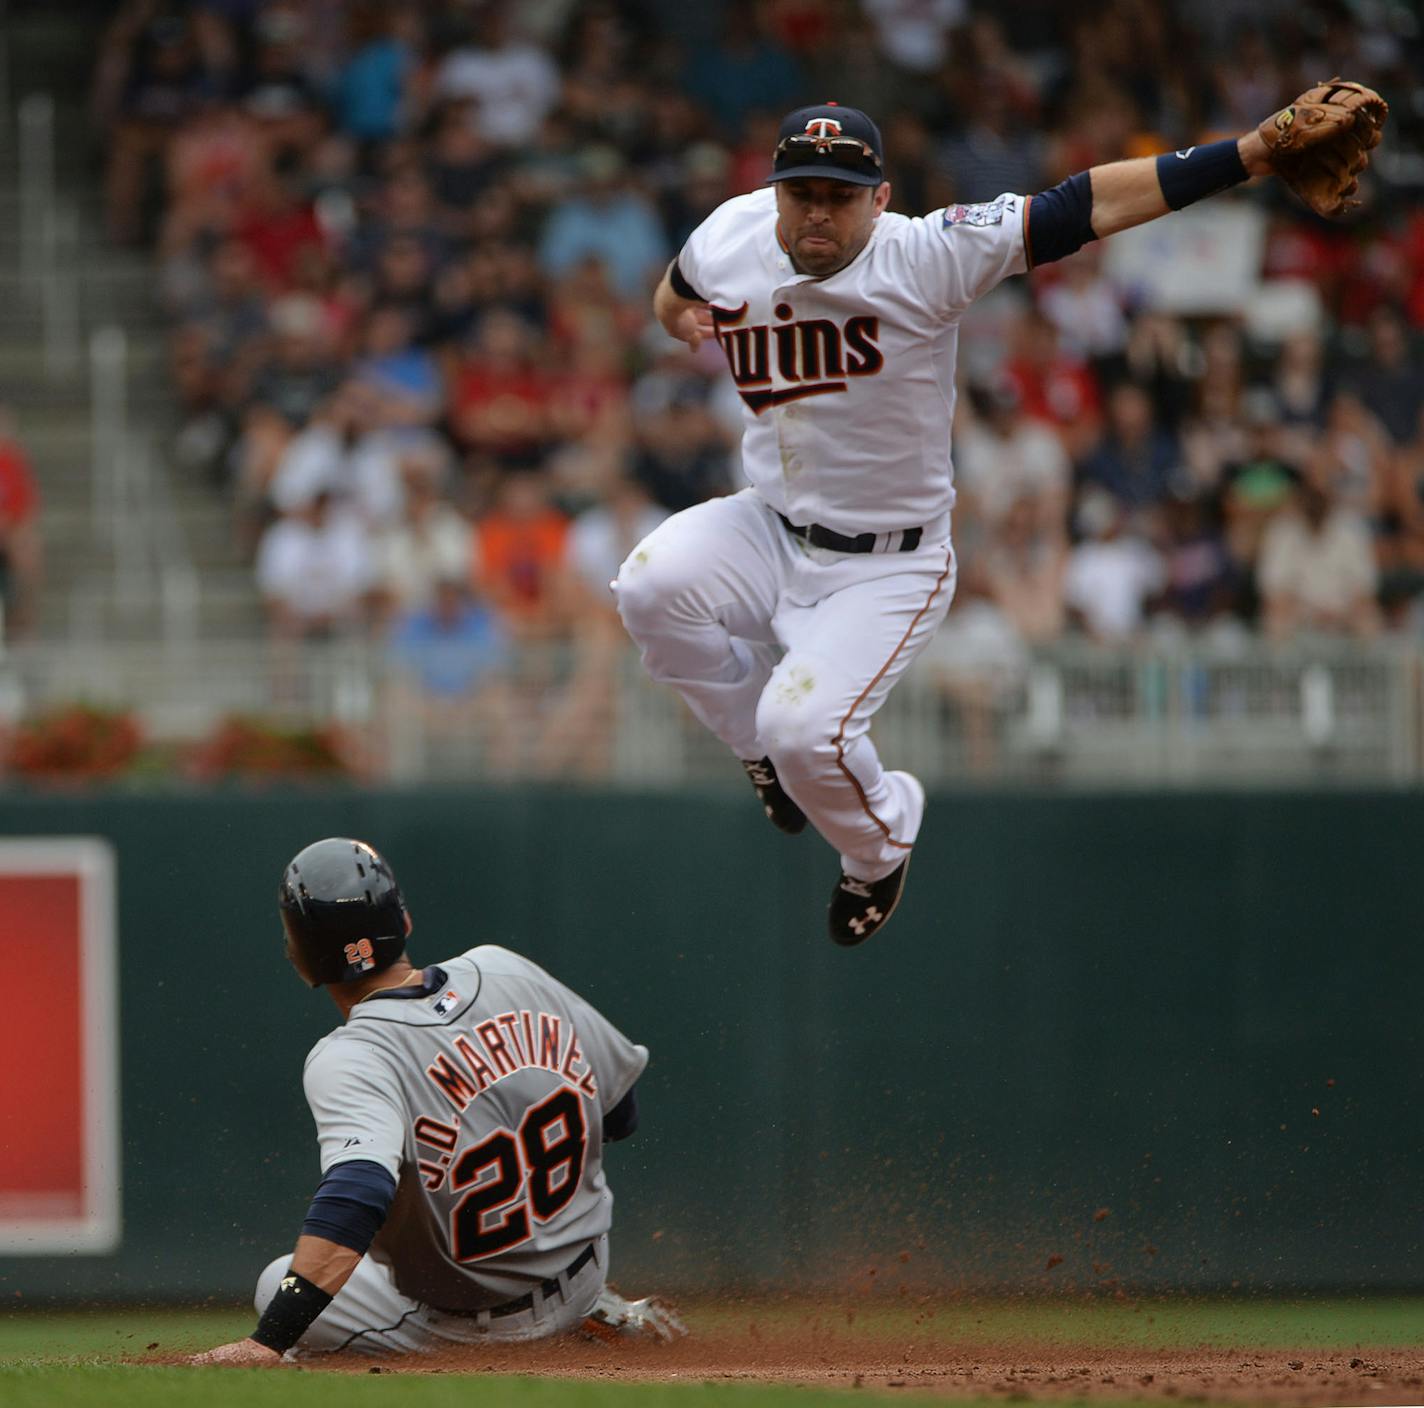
75, 742
243, 747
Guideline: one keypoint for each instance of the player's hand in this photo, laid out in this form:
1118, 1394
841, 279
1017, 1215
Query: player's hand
694, 325
245, 1354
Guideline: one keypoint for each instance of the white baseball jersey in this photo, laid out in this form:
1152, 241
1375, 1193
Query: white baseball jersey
848, 380
485, 1100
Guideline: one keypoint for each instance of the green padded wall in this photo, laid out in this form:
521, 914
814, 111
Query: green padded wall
1098, 1030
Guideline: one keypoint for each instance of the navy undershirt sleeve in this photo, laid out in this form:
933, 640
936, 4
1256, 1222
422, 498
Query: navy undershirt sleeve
351, 1204
680, 286
1060, 220
622, 1119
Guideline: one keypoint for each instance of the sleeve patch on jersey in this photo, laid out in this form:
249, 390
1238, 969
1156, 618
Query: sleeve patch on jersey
990, 213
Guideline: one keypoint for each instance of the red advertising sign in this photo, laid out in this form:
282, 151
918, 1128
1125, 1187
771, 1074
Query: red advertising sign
59, 1078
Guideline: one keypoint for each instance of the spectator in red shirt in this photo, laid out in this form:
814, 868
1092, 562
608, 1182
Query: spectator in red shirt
1054, 387
499, 403
590, 394
1412, 243
20, 545
277, 227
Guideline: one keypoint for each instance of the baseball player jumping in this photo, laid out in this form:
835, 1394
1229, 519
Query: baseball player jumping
785, 614
461, 1112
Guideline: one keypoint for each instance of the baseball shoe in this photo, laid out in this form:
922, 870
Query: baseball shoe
784, 813
650, 1319
861, 908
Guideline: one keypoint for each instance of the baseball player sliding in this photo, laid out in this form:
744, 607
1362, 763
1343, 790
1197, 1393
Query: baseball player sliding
461, 1112
785, 614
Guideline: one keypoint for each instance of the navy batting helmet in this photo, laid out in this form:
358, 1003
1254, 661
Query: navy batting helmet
343, 912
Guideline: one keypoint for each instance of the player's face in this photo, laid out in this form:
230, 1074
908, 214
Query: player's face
826, 223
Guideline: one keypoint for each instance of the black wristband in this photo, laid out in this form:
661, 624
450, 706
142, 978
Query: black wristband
1198, 172
290, 1313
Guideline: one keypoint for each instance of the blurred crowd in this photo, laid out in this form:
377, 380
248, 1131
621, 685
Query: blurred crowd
408, 250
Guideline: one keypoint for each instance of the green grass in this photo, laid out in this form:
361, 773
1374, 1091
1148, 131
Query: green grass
1335, 1323
1382, 1322
77, 1359
259, 1388
30, 1336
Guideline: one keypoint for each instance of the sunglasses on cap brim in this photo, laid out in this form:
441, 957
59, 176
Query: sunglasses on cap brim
839, 151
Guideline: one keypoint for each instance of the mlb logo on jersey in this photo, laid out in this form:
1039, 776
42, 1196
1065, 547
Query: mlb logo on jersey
445, 1002
989, 213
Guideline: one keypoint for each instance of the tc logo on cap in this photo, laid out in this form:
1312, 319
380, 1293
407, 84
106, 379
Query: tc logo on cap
823, 129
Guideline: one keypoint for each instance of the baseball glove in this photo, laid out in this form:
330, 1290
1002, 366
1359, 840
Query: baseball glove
1320, 143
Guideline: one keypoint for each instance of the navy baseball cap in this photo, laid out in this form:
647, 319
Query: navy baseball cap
840, 144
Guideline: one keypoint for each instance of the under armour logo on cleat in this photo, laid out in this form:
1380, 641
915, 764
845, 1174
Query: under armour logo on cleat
872, 916
856, 887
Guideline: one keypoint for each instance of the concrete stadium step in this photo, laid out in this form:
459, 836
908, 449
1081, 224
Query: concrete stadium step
56, 31
96, 304
107, 260
148, 406
41, 394
220, 615
67, 523
54, 443
52, 50
22, 361
83, 197
62, 455
207, 523
98, 300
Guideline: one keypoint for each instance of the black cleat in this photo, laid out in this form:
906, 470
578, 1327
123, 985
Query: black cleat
860, 908
784, 813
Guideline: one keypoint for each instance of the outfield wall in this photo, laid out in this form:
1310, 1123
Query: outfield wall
1103, 1028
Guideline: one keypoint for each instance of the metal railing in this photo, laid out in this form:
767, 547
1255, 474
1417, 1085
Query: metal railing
144, 580
1075, 716
5, 132
152, 586
49, 238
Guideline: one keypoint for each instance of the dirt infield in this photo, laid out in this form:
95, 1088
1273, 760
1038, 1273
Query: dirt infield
817, 1355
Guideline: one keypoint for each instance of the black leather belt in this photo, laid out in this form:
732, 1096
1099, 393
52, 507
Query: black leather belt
526, 1302
820, 537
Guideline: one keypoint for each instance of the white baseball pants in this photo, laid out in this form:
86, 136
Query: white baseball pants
786, 651
370, 1314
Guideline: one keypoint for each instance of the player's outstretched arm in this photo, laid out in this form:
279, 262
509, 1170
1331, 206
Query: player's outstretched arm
319, 1270
1128, 193
1318, 146
347, 1211
687, 319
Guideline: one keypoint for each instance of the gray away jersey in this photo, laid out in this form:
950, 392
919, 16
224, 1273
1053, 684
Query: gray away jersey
485, 1100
